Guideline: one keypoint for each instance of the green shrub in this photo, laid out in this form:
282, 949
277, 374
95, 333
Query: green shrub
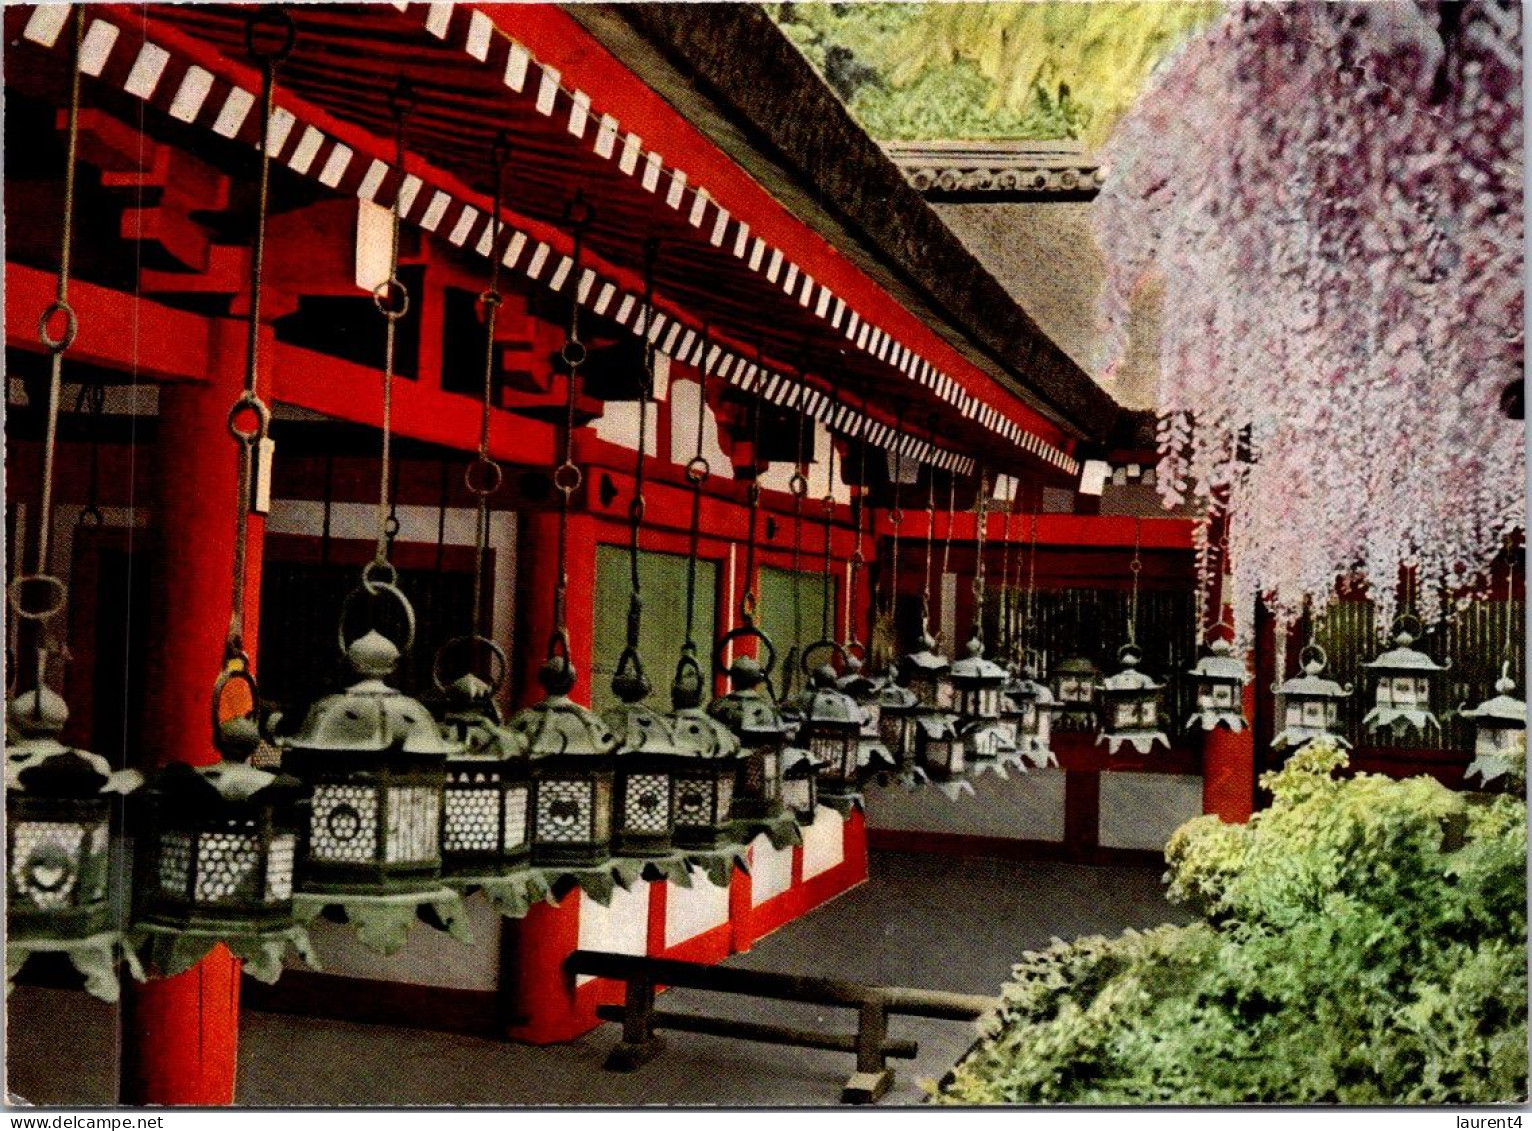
1364, 942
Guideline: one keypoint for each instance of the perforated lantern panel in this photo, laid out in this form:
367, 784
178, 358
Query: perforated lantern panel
694, 802
227, 864
473, 820
646, 805
279, 868
174, 864
344, 826
45, 863
564, 810
413, 824
515, 802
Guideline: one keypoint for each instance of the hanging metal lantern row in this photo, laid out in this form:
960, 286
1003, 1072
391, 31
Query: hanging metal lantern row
831, 732
1029, 706
486, 802
800, 785
977, 682
1308, 704
703, 783
377, 762
1075, 683
1130, 706
1220, 680
749, 712
1500, 730
1402, 695
647, 759
59, 807
898, 708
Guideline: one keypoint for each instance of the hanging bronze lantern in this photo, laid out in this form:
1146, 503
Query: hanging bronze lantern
1029, 707
710, 755
977, 682
1075, 683
1130, 706
647, 759
1403, 693
898, 708
873, 754
800, 785
59, 803
485, 804
573, 755
928, 674
1309, 705
831, 731
1220, 679
1500, 727
377, 764
749, 712
939, 749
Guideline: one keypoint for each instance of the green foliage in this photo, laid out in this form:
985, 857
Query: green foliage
971, 71
1364, 943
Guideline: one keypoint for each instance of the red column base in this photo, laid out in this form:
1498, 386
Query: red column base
186, 1031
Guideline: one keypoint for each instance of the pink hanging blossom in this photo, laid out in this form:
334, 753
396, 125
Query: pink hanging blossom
1331, 195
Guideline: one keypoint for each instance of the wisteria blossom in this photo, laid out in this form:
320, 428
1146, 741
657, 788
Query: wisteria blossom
1331, 196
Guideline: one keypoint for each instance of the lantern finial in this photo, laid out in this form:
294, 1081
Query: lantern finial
373, 655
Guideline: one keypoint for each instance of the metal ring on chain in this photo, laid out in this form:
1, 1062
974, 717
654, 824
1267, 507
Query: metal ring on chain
249, 403
377, 573
499, 667
1136, 566
71, 326
391, 528
896, 517
16, 595
567, 478
490, 298
90, 517
574, 353
740, 633
272, 16
818, 645
493, 477
236, 671
636, 510
373, 588
386, 293
697, 469
798, 485
748, 605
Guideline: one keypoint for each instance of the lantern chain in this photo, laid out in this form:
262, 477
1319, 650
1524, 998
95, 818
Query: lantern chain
798, 486
567, 477
981, 517
41, 577
392, 299
688, 677
749, 598
249, 419
1135, 567
858, 558
628, 680
484, 476
1007, 617
925, 592
1031, 597
826, 600
890, 584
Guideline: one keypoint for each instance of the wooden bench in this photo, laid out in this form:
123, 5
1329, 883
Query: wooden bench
874, 1005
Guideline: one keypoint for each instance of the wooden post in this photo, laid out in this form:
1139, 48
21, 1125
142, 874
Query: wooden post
873, 1077
639, 1044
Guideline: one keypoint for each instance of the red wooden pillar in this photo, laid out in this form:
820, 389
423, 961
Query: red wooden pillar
180, 1034
740, 907
1228, 768
540, 992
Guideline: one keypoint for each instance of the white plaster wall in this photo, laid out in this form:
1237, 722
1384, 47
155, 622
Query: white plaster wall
691, 911
771, 871
622, 927
1027, 806
824, 842
1142, 810
685, 401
